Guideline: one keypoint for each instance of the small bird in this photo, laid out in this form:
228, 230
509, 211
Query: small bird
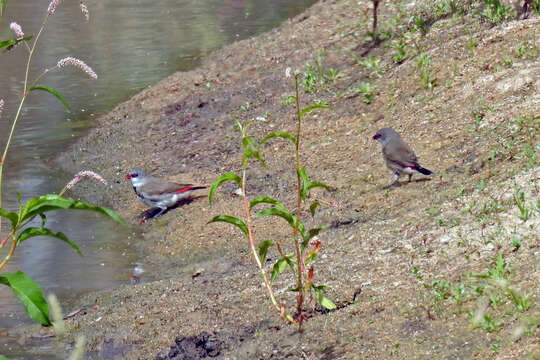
399, 157
157, 192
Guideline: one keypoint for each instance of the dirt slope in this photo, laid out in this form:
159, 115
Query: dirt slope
470, 119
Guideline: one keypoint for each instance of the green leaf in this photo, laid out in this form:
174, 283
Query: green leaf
314, 184
231, 220
3, 4
311, 256
308, 185
43, 219
263, 249
19, 201
220, 180
29, 294
52, 91
321, 299
247, 142
11, 216
281, 265
313, 107
258, 156
2, 357
282, 213
35, 231
276, 134
285, 214
49, 202
313, 207
305, 182
266, 200
13, 42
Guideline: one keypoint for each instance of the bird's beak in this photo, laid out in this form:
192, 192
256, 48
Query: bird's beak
128, 176
376, 136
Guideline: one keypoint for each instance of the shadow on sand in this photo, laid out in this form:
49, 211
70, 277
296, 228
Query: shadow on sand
152, 212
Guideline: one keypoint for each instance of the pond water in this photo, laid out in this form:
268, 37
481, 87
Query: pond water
130, 44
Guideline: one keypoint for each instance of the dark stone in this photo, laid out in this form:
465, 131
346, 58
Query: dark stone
200, 346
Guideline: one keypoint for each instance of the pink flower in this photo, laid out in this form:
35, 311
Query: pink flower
77, 63
16, 28
53, 5
78, 177
1, 105
84, 10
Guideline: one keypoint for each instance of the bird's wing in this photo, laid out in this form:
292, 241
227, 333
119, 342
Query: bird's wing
157, 186
400, 153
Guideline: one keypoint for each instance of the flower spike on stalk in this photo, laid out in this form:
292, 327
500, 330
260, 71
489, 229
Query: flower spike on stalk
84, 10
77, 63
52, 6
16, 28
78, 177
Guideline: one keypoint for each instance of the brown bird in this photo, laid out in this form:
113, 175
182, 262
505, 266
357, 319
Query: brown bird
399, 157
157, 192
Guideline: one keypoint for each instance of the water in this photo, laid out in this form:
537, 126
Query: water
130, 44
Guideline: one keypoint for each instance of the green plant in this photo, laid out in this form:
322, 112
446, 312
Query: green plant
372, 64
332, 74
507, 60
484, 321
516, 242
420, 24
315, 75
471, 45
305, 247
21, 284
441, 289
519, 199
535, 5
423, 63
522, 302
401, 52
495, 12
527, 49
367, 91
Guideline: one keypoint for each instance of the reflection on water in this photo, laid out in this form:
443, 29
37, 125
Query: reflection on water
130, 44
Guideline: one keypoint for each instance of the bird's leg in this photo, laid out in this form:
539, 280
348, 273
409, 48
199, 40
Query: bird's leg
396, 180
160, 212
410, 177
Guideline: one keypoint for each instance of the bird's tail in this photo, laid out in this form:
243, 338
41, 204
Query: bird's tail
189, 188
423, 170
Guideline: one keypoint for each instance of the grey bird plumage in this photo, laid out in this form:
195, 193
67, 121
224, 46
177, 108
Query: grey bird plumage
399, 157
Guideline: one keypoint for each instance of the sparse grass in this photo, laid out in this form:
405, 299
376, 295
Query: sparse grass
527, 49
495, 12
316, 76
400, 51
367, 91
524, 211
372, 64
423, 63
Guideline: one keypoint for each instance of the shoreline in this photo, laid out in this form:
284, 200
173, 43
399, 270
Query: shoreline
183, 130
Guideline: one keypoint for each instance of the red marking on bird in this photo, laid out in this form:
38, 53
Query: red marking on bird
128, 176
179, 191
